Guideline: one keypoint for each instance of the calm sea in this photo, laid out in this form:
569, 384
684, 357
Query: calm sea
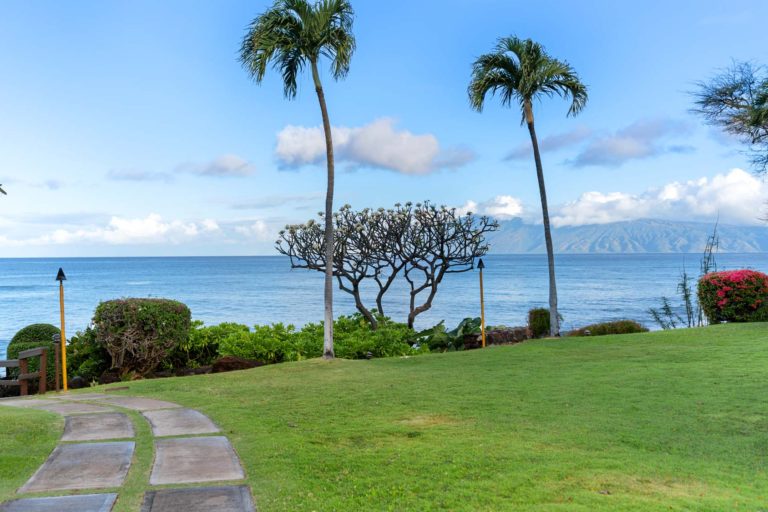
258, 290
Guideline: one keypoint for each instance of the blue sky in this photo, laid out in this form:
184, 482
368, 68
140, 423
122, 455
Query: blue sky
129, 127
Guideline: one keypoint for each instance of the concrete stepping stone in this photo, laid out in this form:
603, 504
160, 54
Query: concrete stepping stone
195, 459
179, 422
98, 427
138, 404
82, 466
67, 408
200, 499
81, 503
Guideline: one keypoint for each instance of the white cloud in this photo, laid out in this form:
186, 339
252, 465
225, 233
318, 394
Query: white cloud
258, 230
151, 229
500, 207
377, 144
551, 143
224, 166
641, 139
737, 197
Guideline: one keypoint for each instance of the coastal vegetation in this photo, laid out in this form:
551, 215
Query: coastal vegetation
664, 420
293, 35
521, 72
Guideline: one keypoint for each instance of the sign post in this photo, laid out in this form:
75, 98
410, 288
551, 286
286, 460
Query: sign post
60, 277
481, 266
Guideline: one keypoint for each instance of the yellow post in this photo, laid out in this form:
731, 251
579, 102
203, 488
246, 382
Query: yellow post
61, 278
481, 266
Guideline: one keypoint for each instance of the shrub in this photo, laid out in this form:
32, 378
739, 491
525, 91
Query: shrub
616, 327
438, 338
35, 336
734, 296
538, 322
353, 339
86, 358
139, 334
202, 346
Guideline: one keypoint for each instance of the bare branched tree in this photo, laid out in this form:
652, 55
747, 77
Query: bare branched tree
420, 242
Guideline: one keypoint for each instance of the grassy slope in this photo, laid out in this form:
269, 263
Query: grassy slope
671, 420
26, 439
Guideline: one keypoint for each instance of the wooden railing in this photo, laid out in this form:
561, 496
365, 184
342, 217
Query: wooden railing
24, 376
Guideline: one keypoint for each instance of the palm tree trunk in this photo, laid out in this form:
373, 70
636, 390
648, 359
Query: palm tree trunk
328, 296
554, 318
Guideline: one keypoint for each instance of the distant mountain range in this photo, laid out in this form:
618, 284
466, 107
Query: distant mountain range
636, 236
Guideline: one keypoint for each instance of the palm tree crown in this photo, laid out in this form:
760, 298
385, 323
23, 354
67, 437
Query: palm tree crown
521, 71
294, 33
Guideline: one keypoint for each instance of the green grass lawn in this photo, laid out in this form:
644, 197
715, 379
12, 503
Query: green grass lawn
673, 420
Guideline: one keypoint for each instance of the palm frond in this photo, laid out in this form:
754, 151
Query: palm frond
294, 33
520, 69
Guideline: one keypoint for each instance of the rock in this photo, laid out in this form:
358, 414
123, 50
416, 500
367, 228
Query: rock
110, 377
232, 363
506, 335
78, 382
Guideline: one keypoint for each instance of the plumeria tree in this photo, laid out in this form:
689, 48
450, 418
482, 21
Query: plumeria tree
520, 71
420, 243
293, 35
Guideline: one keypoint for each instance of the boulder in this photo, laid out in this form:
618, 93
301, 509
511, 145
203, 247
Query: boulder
232, 363
78, 382
506, 335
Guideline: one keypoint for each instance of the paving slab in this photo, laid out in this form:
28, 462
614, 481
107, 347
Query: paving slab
67, 408
200, 499
98, 427
137, 403
27, 402
195, 459
179, 422
81, 503
83, 466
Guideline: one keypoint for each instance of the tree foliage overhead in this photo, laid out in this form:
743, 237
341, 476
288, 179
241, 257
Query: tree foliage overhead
521, 71
736, 100
420, 243
296, 33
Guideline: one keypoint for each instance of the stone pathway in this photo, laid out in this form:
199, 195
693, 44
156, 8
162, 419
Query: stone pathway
97, 449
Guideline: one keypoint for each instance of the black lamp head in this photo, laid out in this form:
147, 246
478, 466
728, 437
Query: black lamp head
480, 264
60, 276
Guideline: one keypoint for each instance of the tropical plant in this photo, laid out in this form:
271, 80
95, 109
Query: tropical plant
614, 327
292, 35
520, 71
734, 296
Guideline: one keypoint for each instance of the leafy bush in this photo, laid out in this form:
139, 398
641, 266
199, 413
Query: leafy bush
734, 296
353, 339
139, 334
86, 358
616, 327
538, 322
35, 336
201, 348
438, 338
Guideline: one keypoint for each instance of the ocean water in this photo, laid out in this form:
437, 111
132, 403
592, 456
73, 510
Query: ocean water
258, 290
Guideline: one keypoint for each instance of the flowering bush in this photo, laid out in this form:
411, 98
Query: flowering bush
734, 296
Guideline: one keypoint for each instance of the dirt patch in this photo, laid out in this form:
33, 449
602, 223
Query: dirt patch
428, 421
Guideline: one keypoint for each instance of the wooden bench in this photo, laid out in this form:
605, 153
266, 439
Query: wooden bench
22, 363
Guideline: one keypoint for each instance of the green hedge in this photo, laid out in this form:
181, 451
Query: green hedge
35, 336
86, 358
139, 334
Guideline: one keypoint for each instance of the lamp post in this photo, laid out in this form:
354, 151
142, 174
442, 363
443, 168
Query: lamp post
481, 266
60, 277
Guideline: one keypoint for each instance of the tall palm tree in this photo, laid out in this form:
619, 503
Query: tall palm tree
520, 71
293, 35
